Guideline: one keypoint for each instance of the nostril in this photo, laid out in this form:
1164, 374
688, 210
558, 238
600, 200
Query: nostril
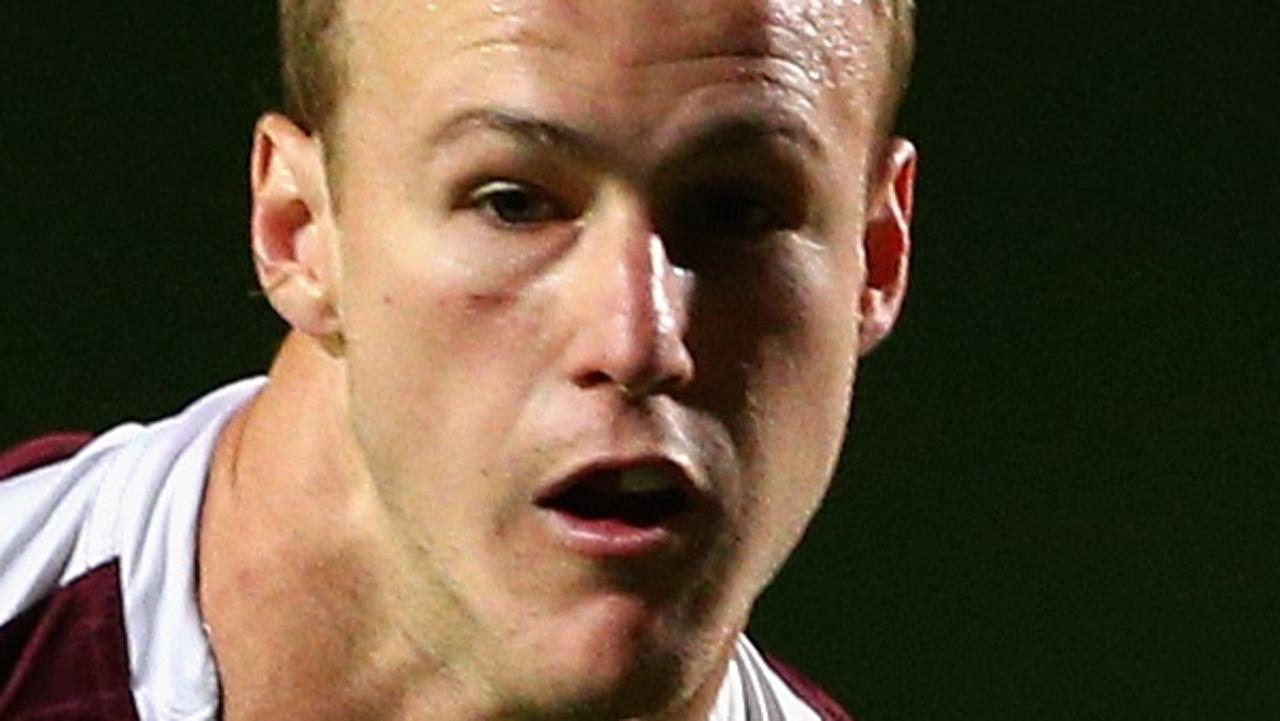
595, 379
637, 389
601, 379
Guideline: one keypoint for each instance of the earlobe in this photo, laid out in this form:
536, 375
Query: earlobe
294, 248
887, 244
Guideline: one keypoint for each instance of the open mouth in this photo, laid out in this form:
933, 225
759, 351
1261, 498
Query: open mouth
642, 497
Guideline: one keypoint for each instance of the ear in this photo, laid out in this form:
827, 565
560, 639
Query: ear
294, 238
887, 244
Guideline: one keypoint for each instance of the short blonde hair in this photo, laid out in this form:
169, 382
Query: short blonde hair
311, 74
312, 69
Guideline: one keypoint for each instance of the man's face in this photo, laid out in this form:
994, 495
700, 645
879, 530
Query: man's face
599, 280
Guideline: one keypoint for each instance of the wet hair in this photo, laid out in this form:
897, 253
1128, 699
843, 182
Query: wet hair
312, 71
313, 68
902, 53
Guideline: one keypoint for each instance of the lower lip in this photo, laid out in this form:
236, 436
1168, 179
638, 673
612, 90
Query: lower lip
608, 538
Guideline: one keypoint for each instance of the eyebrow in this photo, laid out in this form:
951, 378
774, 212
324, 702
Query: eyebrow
715, 136
522, 127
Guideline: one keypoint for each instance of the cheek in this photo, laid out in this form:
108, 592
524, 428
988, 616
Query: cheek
783, 373
419, 296
796, 425
778, 334
445, 347
439, 354
805, 381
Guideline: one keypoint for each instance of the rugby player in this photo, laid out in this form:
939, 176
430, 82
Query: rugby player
577, 292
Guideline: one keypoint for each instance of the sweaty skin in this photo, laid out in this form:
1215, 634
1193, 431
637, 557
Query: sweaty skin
541, 234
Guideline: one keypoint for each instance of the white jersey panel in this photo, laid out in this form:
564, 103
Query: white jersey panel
43, 513
132, 495
158, 483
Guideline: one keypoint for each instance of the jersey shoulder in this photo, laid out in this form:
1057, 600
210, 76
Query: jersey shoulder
42, 451
43, 649
827, 708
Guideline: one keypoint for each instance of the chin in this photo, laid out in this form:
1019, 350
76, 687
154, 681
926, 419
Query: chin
645, 689
611, 670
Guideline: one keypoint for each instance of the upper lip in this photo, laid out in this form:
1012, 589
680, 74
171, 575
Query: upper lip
684, 477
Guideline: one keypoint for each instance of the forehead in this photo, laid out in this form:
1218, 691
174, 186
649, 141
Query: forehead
611, 57
826, 29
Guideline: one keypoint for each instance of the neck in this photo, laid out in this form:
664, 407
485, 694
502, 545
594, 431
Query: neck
293, 571
301, 583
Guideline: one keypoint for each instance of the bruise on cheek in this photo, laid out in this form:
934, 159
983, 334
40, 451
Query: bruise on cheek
488, 302
466, 303
488, 332
471, 306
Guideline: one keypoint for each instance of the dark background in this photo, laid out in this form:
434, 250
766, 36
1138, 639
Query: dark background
1059, 500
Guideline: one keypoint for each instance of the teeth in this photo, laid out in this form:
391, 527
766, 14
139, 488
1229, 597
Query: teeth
645, 480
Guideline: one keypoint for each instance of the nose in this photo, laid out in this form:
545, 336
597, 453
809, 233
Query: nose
631, 307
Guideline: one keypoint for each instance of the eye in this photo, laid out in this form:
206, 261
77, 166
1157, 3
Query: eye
732, 211
515, 204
